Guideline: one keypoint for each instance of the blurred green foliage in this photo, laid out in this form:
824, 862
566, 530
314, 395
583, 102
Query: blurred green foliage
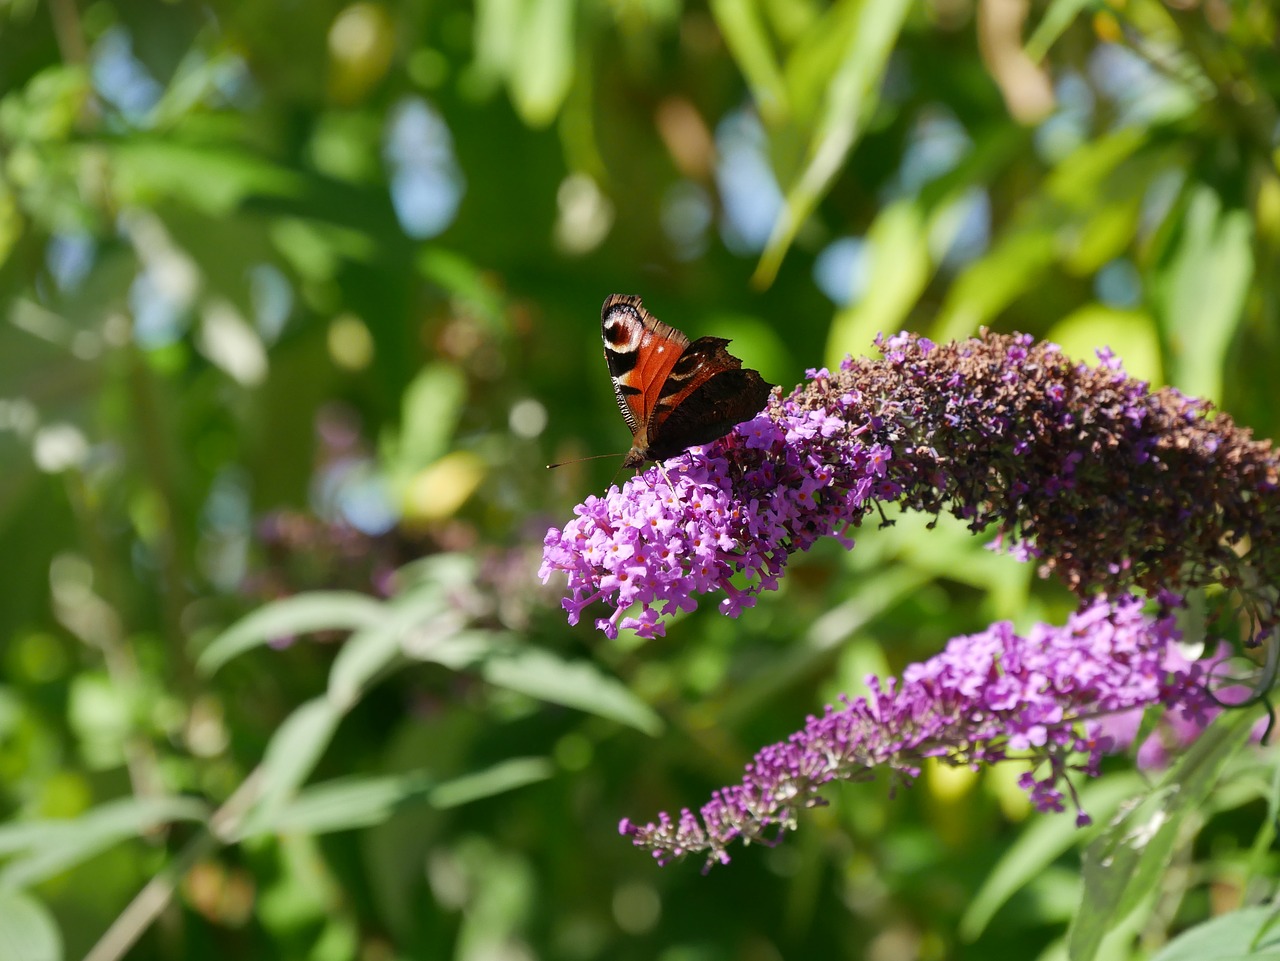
298, 300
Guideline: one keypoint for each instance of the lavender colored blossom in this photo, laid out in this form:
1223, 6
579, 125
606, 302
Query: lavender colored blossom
1175, 731
733, 514
996, 696
1106, 483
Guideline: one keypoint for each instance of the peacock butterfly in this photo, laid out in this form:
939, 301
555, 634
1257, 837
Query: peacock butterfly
673, 393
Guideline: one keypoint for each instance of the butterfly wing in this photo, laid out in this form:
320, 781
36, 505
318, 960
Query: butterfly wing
673, 394
641, 352
706, 393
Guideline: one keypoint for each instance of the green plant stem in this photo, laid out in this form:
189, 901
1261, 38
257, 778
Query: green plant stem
156, 894
117, 656
66, 28
170, 544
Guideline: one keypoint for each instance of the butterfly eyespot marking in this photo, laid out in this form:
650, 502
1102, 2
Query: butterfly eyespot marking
673, 393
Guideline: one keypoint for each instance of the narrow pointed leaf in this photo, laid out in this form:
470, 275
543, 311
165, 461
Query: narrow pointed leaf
1125, 864
300, 614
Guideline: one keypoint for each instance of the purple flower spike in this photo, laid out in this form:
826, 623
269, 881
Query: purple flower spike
1107, 484
1037, 699
737, 509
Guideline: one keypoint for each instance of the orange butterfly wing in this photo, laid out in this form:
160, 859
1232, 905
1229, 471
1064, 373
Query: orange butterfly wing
673, 394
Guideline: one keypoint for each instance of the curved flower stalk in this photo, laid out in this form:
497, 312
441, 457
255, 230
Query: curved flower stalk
1037, 698
1110, 485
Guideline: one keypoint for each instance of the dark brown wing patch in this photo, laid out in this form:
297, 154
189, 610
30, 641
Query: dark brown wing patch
673, 394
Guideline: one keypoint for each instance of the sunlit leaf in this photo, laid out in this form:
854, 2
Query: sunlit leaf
1044, 840
814, 59
214, 178
1032, 242
822, 642
430, 410
28, 931
541, 71
50, 847
1250, 933
369, 652
849, 100
744, 32
47, 107
437, 492
363, 656
1124, 865
466, 283
900, 268
291, 756
350, 803
457, 651
503, 662
502, 777
577, 684
497, 36
291, 616
1203, 291
1129, 333
1057, 17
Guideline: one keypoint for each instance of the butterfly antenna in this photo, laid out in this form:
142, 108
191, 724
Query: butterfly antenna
579, 460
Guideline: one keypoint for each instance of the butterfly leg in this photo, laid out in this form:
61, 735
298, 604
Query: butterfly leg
665, 476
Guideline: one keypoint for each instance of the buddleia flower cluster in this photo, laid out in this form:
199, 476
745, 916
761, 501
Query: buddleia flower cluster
1117, 489
1036, 697
734, 511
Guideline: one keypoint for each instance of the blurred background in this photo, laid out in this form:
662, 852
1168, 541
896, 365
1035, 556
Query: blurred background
296, 302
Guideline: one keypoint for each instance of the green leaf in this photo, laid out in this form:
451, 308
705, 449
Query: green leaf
576, 684
466, 283
363, 656
501, 661
1251, 933
496, 37
419, 615
212, 178
291, 756
827, 637
849, 101
431, 410
50, 847
46, 109
988, 285
1130, 333
900, 268
1020, 258
349, 803
300, 614
502, 777
1126, 863
1044, 840
543, 66
1203, 291
459, 652
813, 61
745, 36
1059, 15
28, 931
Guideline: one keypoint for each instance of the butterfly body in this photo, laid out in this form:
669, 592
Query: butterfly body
673, 393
